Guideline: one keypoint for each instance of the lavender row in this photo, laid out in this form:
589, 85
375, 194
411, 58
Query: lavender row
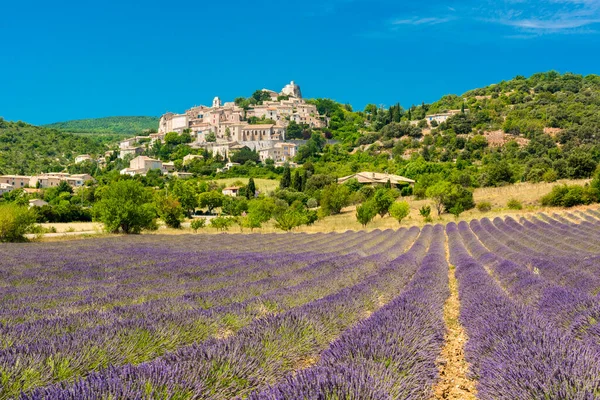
515, 354
391, 354
257, 355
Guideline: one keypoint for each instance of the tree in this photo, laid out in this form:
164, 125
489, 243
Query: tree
297, 181
187, 196
126, 206
334, 198
286, 179
245, 154
222, 223
366, 212
425, 212
169, 210
288, 220
250, 189
211, 200
15, 222
383, 199
210, 137
436, 194
400, 211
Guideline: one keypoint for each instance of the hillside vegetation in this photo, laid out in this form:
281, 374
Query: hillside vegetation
109, 125
28, 149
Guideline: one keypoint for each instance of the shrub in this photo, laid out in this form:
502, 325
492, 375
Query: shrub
406, 191
312, 203
383, 199
222, 223
288, 220
399, 211
514, 204
569, 196
366, 212
484, 206
198, 223
425, 212
15, 222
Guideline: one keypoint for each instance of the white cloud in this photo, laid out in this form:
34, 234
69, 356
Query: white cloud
422, 21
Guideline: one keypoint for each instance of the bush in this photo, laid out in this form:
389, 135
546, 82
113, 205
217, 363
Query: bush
484, 206
399, 211
514, 204
126, 206
569, 196
222, 223
366, 212
198, 223
406, 191
170, 211
312, 203
15, 222
383, 199
425, 212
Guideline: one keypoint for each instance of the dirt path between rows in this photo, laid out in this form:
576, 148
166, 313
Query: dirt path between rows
454, 383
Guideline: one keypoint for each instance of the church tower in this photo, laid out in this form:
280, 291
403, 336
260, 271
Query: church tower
216, 102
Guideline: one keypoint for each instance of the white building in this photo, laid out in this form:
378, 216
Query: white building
5, 188
141, 165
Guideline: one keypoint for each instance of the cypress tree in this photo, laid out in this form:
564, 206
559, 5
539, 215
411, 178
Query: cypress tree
297, 181
250, 189
286, 179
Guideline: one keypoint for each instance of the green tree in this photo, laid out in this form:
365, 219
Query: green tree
366, 212
334, 198
169, 210
436, 193
198, 223
383, 199
15, 222
297, 181
211, 200
399, 211
288, 220
187, 195
286, 179
250, 189
126, 206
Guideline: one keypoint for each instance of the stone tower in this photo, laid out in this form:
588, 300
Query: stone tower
292, 90
216, 102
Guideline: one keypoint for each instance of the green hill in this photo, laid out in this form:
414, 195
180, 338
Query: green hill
28, 149
108, 125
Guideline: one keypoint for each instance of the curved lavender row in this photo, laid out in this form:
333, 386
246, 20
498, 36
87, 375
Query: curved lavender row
158, 329
570, 310
558, 221
576, 269
258, 354
513, 353
551, 235
551, 268
390, 355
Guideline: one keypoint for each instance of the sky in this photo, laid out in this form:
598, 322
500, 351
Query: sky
64, 59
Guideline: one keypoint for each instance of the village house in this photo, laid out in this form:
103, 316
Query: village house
17, 181
133, 151
141, 165
37, 203
53, 179
280, 152
232, 191
441, 117
191, 157
377, 178
5, 188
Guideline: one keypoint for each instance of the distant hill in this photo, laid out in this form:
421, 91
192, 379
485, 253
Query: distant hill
108, 125
28, 149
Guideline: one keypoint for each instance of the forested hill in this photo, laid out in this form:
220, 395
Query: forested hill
110, 125
28, 149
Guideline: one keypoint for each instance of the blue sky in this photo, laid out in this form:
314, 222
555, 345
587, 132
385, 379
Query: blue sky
68, 59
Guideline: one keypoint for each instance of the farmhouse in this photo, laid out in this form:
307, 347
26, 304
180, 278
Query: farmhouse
5, 188
232, 191
17, 181
376, 178
37, 203
82, 158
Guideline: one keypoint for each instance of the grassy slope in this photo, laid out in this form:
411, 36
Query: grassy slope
112, 125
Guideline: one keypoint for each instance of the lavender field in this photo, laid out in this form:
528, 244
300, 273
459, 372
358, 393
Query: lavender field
355, 315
